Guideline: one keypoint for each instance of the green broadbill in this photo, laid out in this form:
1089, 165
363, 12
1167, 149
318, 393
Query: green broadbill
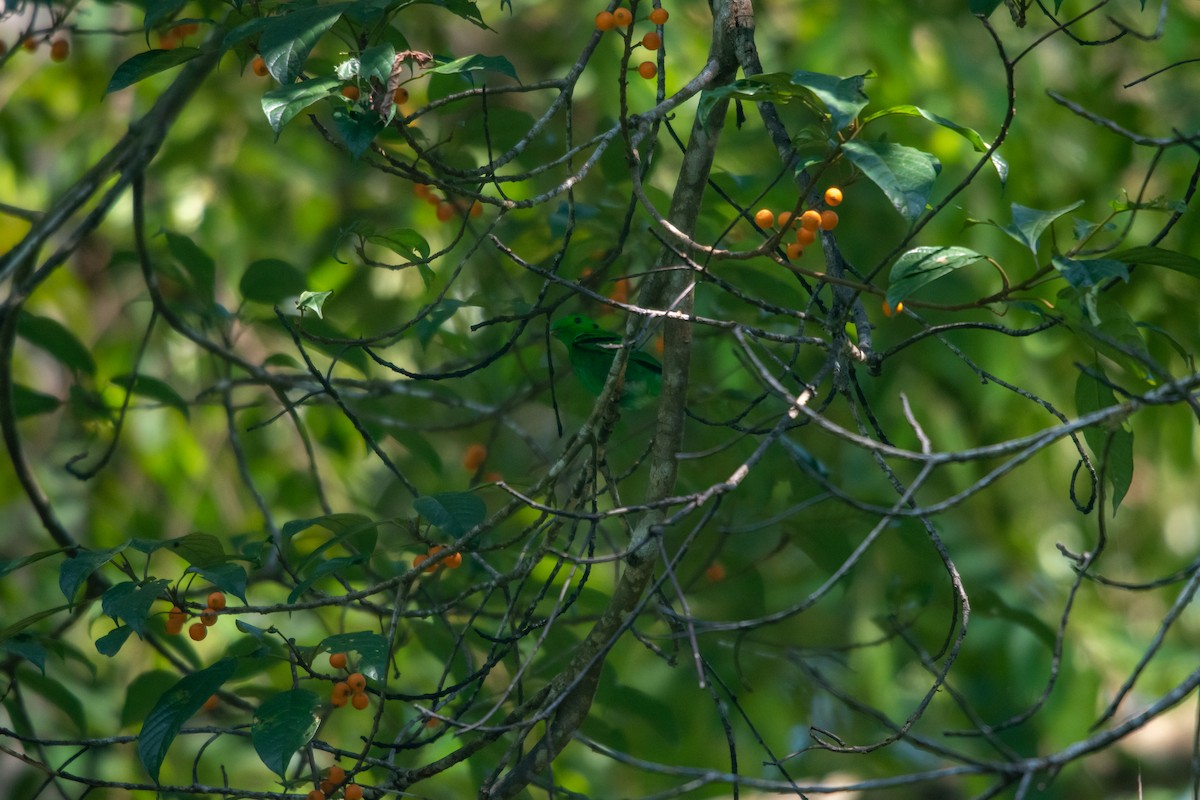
591, 350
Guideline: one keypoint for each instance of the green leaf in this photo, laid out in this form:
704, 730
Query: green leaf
371, 648
282, 725
13, 564
143, 65
970, 134
111, 643
283, 104
461, 8
20, 625
1082, 274
143, 693
376, 62
288, 39
57, 340
30, 402
131, 601
76, 570
1093, 395
477, 63
841, 99
1107, 327
428, 327
28, 648
270, 281
341, 524
153, 389
923, 265
453, 512
1159, 257
1028, 224
313, 301
198, 549
158, 11
329, 567
905, 174
403, 242
58, 695
199, 265
229, 578
176, 707
357, 130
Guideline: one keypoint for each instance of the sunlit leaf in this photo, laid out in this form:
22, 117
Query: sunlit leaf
313, 301
970, 134
924, 265
904, 174
281, 105
1028, 224
477, 63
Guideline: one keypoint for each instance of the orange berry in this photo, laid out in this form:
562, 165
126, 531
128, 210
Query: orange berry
715, 572
622, 16
357, 682
475, 456
888, 311
400, 96
335, 775
352, 792
197, 631
339, 694
806, 236
176, 614
208, 617
445, 211
59, 50
174, 627
476, 209
259, 66
31, 44
216, 600
810, 219
651, 41
316, 794
453, 561
764, 218
421, 559
432, 722
605, 21
168, 40
659, 15
647, 69
829, 220
337, 660
350, 92
784, 219
211, 702
794, 250
833, 196
360, 701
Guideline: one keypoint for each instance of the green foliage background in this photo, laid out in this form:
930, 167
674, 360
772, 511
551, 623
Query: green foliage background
225, 182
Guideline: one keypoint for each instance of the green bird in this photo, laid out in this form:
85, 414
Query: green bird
591, 350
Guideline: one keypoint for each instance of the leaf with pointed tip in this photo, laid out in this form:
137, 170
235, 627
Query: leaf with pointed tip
282, 725
923, 265
904, 174
1028, 224
177, 705
143, 65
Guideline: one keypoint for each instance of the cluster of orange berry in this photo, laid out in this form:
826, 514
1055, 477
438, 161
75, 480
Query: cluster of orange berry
60, 49
445, 209
173, 37
623, 18
335, 776
353, 690
197, 630
452, 561
807, 224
